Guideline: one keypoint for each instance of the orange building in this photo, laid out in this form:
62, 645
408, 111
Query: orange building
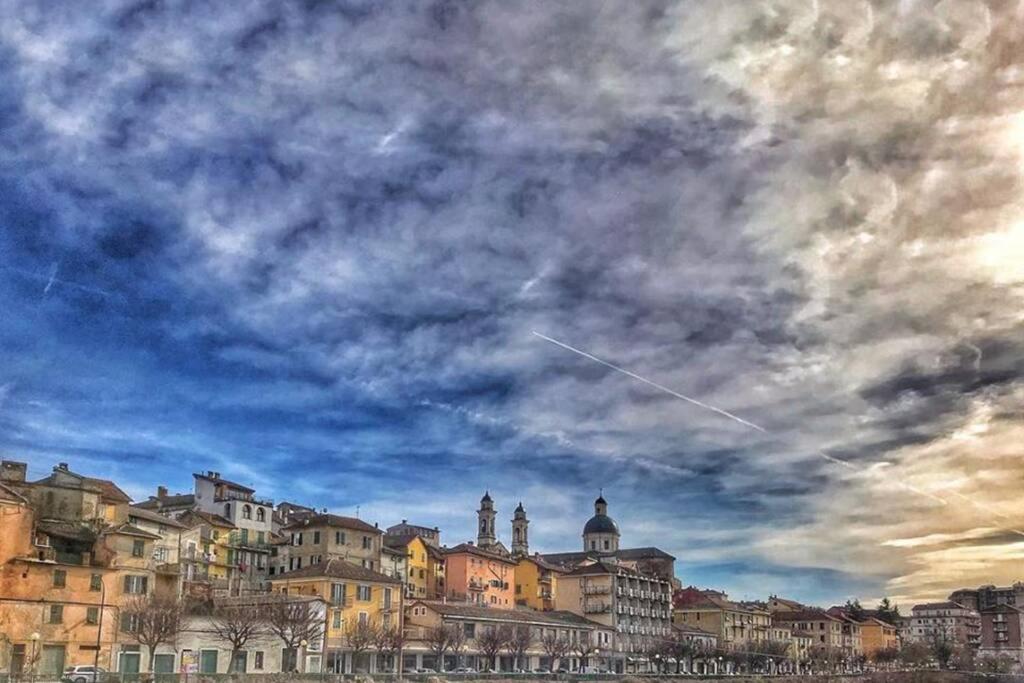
478, 576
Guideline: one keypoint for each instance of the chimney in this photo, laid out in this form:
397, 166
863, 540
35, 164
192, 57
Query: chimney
62, 466
161, 492
13, 471
210, 473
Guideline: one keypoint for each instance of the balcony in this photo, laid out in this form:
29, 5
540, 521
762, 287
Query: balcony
476, 585
598, 590
597, 608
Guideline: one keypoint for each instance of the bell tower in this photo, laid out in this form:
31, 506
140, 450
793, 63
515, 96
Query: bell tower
485, 537
520, 540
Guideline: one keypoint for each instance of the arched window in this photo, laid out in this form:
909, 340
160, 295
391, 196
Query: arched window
606, 544
483, 525
261, 515
227, 510
246, 512
517, 535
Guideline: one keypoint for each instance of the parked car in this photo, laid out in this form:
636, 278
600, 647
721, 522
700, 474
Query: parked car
465, 670
542, 670
83, 674
425, 671
410, 670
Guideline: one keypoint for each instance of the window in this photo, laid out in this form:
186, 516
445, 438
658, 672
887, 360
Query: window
298, 538
469, 630
135, 585
423, 574
92, 615
387, 598
364, 593
364, 618
316, 538
593, 545
246, 512
261, 537
258, 659
261, 516
138, 548
95, 582
606, 546
337, 594
227, 510
367, 543
339, 537
60, 578
337, 619
160, 554
56, 614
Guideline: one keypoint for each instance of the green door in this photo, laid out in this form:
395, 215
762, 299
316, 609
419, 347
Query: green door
208, 662
129, 663
163, 664
51, 661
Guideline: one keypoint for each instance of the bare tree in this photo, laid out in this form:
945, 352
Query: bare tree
457, 642
360, 637
388, 640
152, 621
293, 621
438, 641
554, 646
236, 624
491, 641
519, 643
583, 647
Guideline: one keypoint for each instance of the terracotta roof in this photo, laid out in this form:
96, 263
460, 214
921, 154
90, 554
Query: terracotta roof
540, 562
332, 520
690, 628
129, 530
643, 554
335, 568
474, 550
603, 567
529, 616
939, 605
399, 540
707, 599
70, 530
110, 490
173, 501
7, 493
805, 615
155, 517
226, 482
193, 517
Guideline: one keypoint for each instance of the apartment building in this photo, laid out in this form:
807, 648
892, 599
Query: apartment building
355, 595
1002, 632
825, 629
317, 538
988, 596
479, 576
950, 621
430, 535
536, 582
424, 567
589, 642
636, 607
737, 625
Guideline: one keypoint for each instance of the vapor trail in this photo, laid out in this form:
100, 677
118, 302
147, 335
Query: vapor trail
635, 376
734, 418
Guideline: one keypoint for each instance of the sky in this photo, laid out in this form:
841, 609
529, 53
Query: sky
307, 245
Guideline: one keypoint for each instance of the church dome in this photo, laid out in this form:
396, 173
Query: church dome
601, 524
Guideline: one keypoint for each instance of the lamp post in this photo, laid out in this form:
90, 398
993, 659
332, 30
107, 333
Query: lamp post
597, 656
99, 632
302, 644
35, 645
657, 663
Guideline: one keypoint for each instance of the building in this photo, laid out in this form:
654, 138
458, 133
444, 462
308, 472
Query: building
949, 621
586, 641
1002, 633
479, 576
425, 569
601, 542
536, 583
394, 562
205, 566
430, 535
636, 607
314, 539
870, 635
169, 505
984, 597
355, 595
825, 629
737, 625
777, 604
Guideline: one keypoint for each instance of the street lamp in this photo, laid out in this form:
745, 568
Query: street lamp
35, 645
303, 644
597, 656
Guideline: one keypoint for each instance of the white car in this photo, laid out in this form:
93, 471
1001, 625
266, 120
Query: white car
83, 674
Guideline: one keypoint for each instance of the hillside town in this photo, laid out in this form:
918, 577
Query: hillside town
223, 580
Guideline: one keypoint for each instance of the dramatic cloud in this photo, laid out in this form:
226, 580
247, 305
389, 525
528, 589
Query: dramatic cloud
307, 244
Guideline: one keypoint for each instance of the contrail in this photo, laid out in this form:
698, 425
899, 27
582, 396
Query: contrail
736, 418
635, 376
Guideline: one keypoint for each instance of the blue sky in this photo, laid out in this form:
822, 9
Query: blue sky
306, 245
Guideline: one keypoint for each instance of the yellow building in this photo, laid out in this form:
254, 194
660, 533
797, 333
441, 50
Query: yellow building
354, 595
424, 578
536, 583
205, 552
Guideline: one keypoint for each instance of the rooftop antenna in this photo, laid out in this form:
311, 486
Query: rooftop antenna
357, 512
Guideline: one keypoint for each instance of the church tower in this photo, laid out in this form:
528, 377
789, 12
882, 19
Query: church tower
485, 537
520, 541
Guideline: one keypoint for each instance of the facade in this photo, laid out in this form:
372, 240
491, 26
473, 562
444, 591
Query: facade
825, 629
354, 595
423, 616
984, 597
317, 538
1002, 633
478, 576
394, 562
424, 566
948, 621
536, 583
636, 607
737, 625
430, 535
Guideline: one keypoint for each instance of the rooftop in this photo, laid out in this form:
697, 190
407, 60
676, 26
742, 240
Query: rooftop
332, 521
475, 550
335, 568
217, 479
529, 616
154, 517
